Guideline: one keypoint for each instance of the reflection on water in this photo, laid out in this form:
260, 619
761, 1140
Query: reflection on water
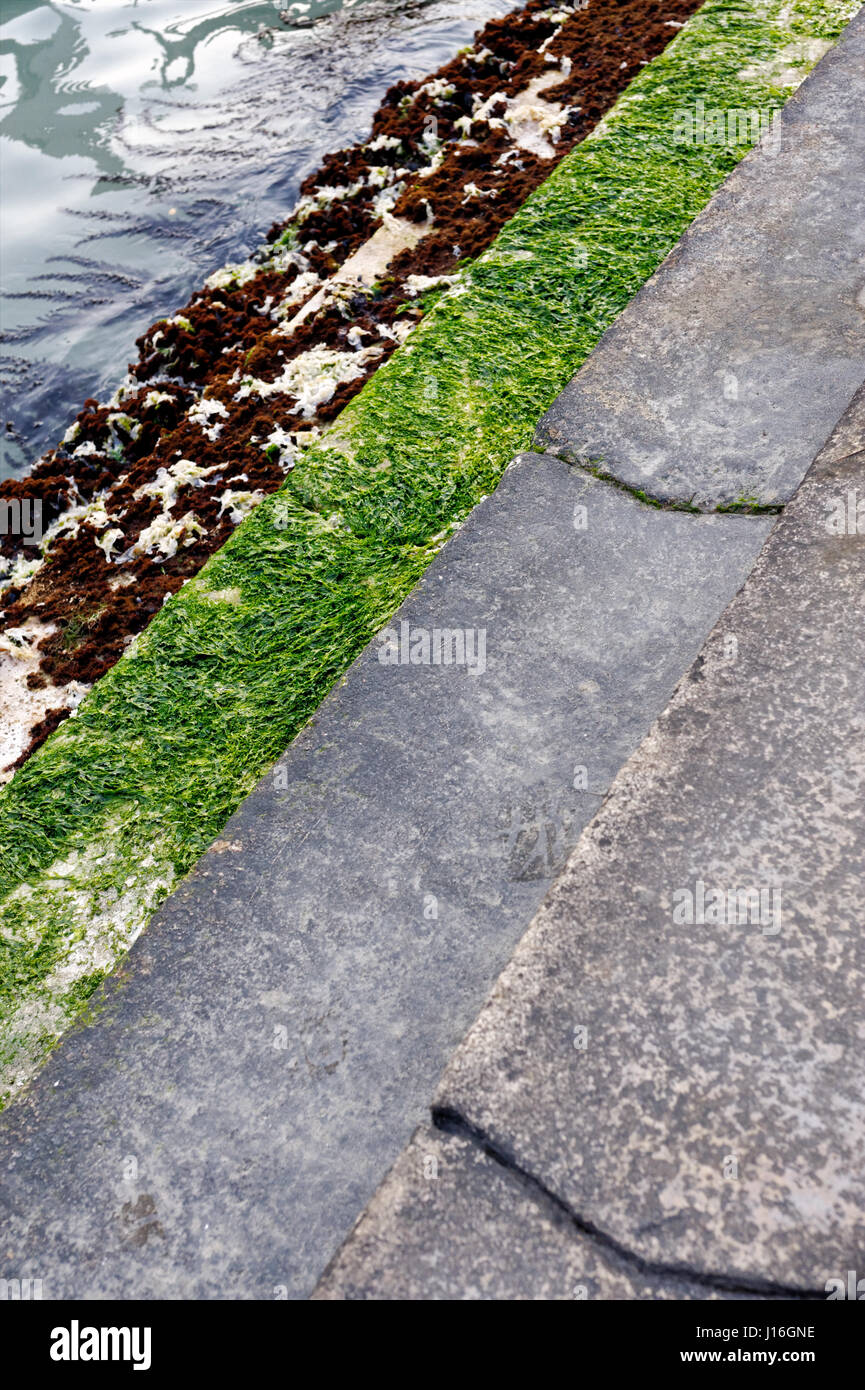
143, 143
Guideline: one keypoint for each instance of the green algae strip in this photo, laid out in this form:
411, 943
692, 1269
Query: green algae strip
99, 825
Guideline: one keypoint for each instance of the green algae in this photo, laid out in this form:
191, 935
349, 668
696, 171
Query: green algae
102, 821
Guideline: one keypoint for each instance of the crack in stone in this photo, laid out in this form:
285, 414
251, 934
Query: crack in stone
846, 458
450, 1121
669, 504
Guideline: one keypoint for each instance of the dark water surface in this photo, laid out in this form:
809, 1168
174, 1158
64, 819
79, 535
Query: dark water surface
144, 143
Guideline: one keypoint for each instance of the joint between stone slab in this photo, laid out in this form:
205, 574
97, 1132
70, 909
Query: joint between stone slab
746, 506
449, 1120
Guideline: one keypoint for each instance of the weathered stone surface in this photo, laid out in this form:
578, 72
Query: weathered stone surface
277, 1032
713, 1112
451, 1223
727, 372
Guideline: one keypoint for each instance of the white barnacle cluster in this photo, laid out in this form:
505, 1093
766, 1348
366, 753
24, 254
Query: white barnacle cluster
165, 534
379, 176
300, 288
208, 412
311, 378
286, 258
484, 57
169, 480
238, 503
398, 333
437, 90
110, 538
289, 444
560, 13
471, 190
153, 399
86, 450
439, 154
17, 570
127, 387
419, 284
384, 142
239, 273
119, 421
383, 203
323, 197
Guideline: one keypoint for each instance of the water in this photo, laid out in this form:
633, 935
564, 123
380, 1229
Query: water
144, 143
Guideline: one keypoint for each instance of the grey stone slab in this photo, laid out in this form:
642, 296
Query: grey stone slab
449, 1223
713, 1112
275, 1035
729, 369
